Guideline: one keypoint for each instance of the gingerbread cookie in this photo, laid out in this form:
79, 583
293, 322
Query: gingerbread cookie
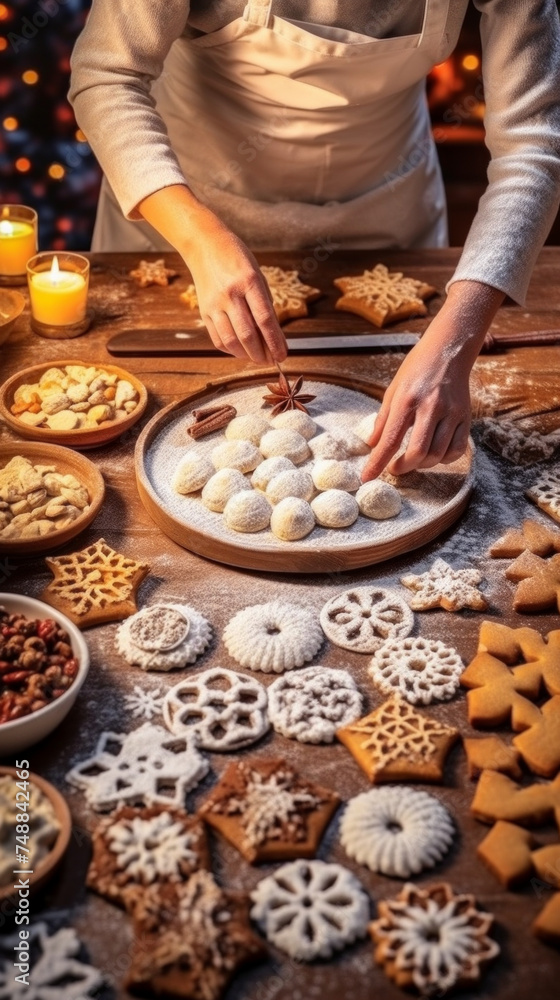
152, 272
432, 939
421, 670
268, 812
545, 492
546, 862
531, 537
524, 645
539, 745
310, 705
538, 583
363, 618
498, 695
95, 585
382, 296
396, 743
220, 709
506, 851
547, 925
163, 637
445, 587
498, 797
491, 753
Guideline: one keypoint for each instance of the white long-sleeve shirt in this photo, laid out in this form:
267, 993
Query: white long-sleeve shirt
122, 50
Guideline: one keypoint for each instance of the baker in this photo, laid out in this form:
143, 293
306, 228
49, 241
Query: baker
292, 124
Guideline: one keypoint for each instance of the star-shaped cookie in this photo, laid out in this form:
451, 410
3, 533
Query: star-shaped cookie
445, 587
382, 296
152, 272
95, 585
531, 537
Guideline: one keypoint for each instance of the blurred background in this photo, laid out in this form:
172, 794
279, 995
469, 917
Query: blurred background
45, 160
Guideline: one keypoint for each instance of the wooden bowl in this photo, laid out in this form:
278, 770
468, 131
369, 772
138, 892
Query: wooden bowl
79, 438
66, 461
12, 304
46, 868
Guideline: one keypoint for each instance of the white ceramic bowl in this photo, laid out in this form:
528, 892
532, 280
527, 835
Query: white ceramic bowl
24, 732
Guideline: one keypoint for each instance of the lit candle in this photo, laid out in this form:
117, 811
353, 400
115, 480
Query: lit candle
58, 295
18, 239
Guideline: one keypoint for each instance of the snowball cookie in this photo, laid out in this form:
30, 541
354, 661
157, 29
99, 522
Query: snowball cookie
292, 519
193, 471
379, 500
223, 485
288, 443
292, 483
248, 427
364, 429
268, 469
328, 474
327, 446
247, 511
295, 420
241, 455
355, 445
335, 509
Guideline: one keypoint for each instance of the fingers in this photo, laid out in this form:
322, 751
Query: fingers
223, 336
458, 445
247, 332
259, 301
393, 430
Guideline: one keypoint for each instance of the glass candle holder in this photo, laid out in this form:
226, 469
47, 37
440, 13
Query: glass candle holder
18, 242
58, 293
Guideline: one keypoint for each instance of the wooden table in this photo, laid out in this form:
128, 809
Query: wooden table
524, 381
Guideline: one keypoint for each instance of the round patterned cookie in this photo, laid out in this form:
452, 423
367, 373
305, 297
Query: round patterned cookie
192, 473
241, 455
292, 519
310, 909
273, 637
247, 511
379, 500
309, 705
396, 830
294, 420
335, 509
421, 670
223, 485
221, 709
247, 427
327, 446
268, 469
291, 483
286, 443
363, 618
329, 474
164, 636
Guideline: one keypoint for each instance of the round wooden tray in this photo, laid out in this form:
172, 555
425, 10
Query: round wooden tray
78, 438
66, 461
46, 868
325, 550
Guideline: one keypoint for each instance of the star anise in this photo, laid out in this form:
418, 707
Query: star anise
287, 397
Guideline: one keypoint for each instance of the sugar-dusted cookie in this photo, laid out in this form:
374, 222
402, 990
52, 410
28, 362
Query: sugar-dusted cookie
506, 851
273, 637
491, 753
269, 469
379, 500
420, 670
397, 743
192, 473
292, 519
295, 420
221, 487
310, 909
326, 446
396, 830
498, 797
152, 272
545, 492
95, 585
531, 537
241, 455
285, 443
539, 745
309, 705
547, 925
164, 636
330, 474
267, 811
432, 939
247, 427
247, 511
382, 296
520, 445
219, 709
335, 509
291, 483
363, 618
538, 583
445, 587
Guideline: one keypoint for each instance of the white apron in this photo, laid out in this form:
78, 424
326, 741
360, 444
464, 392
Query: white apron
300, 135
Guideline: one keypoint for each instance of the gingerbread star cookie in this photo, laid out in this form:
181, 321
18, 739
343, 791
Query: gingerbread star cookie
445, 587
190, 938
95, 585
545, 492
506, 851
152, 272
491, 753
290, 296
397, 743
531, 537
432, 939
538, 583
268, 812
382, 296
498, 797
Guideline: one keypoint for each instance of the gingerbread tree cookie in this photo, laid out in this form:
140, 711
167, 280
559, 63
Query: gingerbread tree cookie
445, 587
531, 537
539, 586
397, 743
382, 296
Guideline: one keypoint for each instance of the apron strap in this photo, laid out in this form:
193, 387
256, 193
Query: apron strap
258, 12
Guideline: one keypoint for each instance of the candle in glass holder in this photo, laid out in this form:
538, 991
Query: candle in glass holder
18, 241
58, 291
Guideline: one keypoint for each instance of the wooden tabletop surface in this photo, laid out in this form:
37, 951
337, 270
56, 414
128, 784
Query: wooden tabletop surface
520, 382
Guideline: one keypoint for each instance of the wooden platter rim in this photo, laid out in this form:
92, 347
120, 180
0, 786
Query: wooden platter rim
290, 560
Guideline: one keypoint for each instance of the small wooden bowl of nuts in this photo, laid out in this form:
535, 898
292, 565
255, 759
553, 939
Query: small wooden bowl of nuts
48, 494
72, 403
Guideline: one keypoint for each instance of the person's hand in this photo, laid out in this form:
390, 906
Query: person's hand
430, 392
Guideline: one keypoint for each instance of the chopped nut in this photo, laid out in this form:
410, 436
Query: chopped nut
125, 392
97, 397
99, 413
129, 405
55, 402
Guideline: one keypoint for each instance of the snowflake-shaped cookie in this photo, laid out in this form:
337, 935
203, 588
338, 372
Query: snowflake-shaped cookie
57, 973
94, 585
310, 705
220, 709
163, 637
152, 272
363, 618
445, 587
545, 492
273, 637
148, 765
144, 703
383, 296
432, 939
421, 670
396, 830
310, 909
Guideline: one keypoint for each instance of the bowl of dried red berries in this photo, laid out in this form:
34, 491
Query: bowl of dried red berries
44, 661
